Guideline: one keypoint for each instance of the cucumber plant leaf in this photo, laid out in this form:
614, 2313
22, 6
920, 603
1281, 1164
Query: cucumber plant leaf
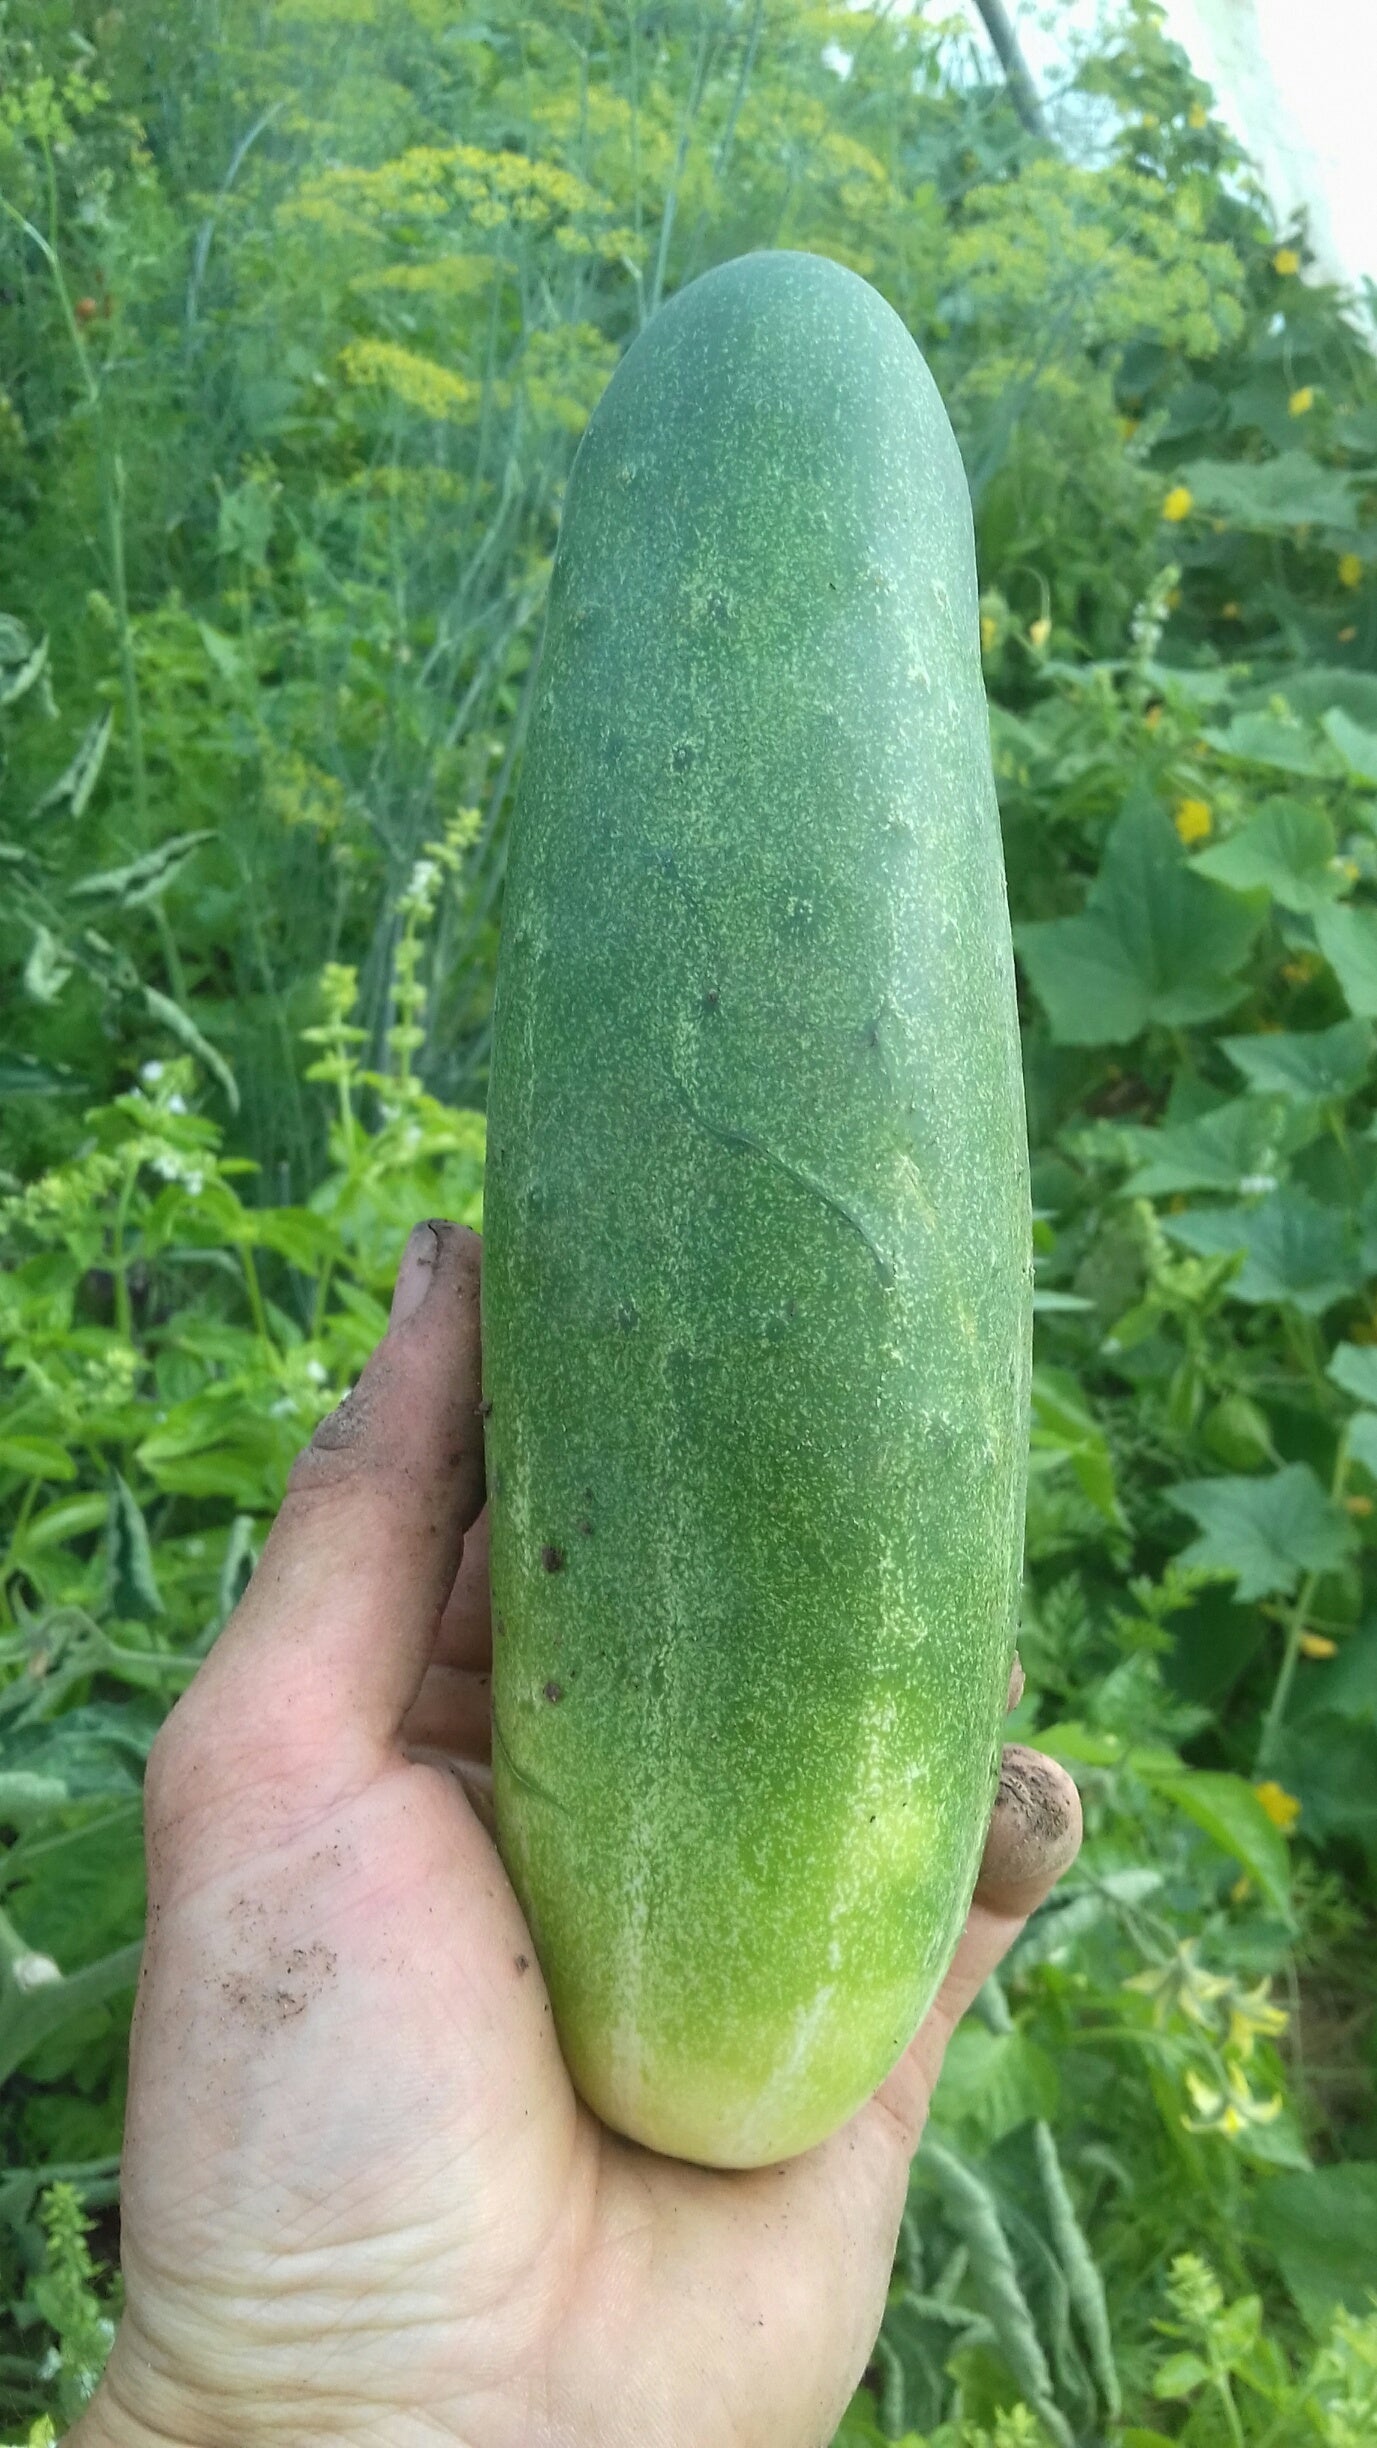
1154, 943
1348, 939
1319, 1063
1275, 741
1264, 1532
1271, 496
1242, 1147
1287, 849
1293, 1249
1356, 745
1354, 1367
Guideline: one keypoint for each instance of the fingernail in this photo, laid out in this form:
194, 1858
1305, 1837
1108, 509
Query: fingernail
1015, 1693
415, 1275
1035, 1831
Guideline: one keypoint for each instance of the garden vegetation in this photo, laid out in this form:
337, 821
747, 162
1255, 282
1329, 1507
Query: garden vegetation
303, 307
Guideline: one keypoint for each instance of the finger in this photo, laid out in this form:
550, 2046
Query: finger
1034, 1836
466, 1626
332, 1638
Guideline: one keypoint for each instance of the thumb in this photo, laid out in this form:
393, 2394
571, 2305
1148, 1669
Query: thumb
328, 1646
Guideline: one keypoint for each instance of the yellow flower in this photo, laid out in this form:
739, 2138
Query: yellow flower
989, 633
1181, 1986
1252, 2016
1178, 504
1301, 402
1350, 570
1315, 1645
1358, 1506
1193, 820
1286, 261
1039, 632
1197, 116
1281, 1807
1230, 611
1347, 636
1230, 2110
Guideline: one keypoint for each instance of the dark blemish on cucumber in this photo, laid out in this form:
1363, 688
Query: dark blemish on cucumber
711, 999
552, 1558
628, 1316
682, 757
585, 1529
717, 606
554, 1691
485, 1408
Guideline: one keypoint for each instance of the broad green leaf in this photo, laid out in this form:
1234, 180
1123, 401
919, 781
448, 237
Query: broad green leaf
1356, 745
71, 1517
1242, 1146
1362, 1440
1154, 943
1081, 1746
1320, 1063
1294, 1249
1287, 849
1226, 1809
1264, 1532
1275, 742
1180, 2376
25, 1798
1273, 495
36, 1457
1063, 1424
1354, 1367
134, 1593
1348, 939
992, 2082
1321, 2229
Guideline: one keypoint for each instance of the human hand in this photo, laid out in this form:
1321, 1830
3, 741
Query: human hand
362, 2203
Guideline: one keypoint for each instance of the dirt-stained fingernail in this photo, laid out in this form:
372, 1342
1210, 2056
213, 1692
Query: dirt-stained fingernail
415, 1275
1035, 1832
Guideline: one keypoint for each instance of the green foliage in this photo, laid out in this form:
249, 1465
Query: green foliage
304, 313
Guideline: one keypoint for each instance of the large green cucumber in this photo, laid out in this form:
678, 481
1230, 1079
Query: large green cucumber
756, 1296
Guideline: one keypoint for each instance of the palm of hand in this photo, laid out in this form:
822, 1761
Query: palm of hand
361, 2199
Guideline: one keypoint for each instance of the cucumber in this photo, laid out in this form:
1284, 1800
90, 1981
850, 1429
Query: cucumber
757, 1271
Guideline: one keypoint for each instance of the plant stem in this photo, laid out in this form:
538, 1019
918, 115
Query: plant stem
1296, 1623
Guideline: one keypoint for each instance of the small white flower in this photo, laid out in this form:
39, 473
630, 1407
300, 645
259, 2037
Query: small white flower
317, 1372
151, 1072
176, 1104
1257, 1185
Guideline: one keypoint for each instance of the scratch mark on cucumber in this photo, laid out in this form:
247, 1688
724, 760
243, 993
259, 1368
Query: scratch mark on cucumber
730, 1136
528, 1784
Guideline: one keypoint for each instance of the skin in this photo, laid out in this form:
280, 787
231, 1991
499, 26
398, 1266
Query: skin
362, 2203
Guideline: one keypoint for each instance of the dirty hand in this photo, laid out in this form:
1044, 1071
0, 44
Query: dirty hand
362, 2203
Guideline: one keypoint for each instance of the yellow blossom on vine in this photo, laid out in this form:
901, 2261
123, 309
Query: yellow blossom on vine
1178, 504
1230, 2108
1281, 1807
1301, 402
1252, 2016
1350, 570
1286, 261
1193, 820
1317, 1645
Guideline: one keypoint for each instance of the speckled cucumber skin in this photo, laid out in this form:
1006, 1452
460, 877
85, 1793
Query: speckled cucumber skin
757, 1274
